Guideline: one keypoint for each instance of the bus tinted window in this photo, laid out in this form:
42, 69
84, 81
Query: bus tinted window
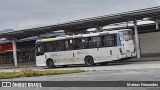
59, 46
82, 43
50, 47
70, 44
88, 42
94, 42
109, 40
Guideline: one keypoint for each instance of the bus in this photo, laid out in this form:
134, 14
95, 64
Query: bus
88, 49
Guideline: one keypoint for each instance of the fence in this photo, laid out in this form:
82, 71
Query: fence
25, 58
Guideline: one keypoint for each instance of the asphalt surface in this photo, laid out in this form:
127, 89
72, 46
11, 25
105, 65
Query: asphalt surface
120, 65
133, 70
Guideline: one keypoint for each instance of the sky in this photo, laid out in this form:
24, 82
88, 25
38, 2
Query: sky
25, 14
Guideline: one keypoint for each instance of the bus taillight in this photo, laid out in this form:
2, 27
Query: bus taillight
120, 50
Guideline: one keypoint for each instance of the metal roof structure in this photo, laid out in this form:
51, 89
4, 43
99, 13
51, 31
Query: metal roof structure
84, 24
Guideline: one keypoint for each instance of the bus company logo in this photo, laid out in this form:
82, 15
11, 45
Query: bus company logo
6, 84
82, 52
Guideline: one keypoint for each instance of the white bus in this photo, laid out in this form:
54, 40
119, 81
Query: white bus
87, 49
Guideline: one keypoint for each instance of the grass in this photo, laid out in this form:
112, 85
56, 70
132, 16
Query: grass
28, 72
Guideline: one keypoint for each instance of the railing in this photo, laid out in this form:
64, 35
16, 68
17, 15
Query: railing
8, 59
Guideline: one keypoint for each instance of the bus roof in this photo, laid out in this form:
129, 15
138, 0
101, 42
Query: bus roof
80, 36
54, 39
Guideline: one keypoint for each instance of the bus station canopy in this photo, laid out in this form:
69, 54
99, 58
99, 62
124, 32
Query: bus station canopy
83, 24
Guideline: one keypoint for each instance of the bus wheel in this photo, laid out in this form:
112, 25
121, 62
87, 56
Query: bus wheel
89, 61
50, 63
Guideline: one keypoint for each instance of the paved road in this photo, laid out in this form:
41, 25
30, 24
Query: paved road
122, 71
115, 66
111, 66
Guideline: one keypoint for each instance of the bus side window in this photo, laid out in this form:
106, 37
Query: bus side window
90, 44
78, 43
105, 41
59, 45
86, 43
66, 44
49, 47
62, 45
83, 43
74, 44
109, 40
102, 41
69, 45
99, 43
96, 42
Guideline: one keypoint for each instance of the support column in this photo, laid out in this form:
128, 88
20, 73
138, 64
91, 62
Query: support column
14, 51
137, 39
157, 25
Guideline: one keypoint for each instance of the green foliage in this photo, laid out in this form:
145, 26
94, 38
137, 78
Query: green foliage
28, 72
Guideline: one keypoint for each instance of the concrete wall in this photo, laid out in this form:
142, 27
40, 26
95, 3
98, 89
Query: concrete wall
150, 42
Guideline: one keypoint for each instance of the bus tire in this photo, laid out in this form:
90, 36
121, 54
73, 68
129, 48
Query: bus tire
50, 63
89, 61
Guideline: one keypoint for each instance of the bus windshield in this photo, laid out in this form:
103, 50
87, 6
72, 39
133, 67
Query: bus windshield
126, 35
130, 35
40, 49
